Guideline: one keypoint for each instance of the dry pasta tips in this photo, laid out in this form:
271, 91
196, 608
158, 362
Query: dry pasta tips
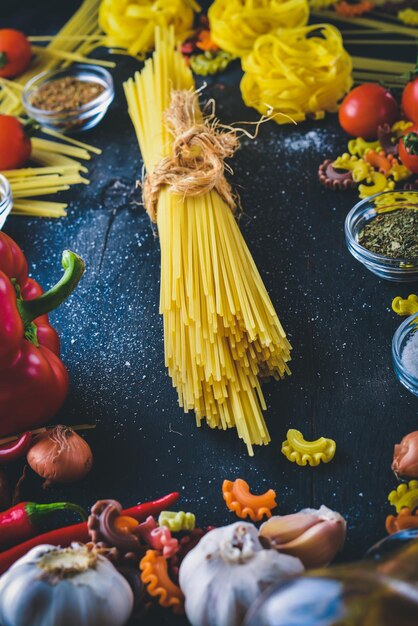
236, 24
297, 73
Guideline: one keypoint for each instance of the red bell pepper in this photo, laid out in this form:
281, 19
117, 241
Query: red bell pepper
33, 379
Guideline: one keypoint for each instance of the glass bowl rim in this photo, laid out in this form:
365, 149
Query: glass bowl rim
361, 250
73, 70
398, 336
5, 192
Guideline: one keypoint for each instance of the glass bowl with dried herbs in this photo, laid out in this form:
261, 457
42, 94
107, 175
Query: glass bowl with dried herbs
69, 100
405, 353
382, 233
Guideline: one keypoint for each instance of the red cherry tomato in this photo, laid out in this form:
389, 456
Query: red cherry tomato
15, 144
409, 153
15, 52
410, 100
365, 108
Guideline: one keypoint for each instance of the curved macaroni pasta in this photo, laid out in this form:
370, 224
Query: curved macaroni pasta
177, 520
154, 574
297, 450
130, 24
405, 306
236, 24
297, 73
244, 504
406, 519
405, 496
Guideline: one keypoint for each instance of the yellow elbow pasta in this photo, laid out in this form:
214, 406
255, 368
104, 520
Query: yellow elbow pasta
405, 306
405, 495
297, 73
236, 24
297, 450
177, 520
130, 24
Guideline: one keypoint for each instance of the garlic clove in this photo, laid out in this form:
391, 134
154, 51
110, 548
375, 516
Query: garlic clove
284, 528
405, 456
314, 536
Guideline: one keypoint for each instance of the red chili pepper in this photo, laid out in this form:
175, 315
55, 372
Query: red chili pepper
16, 449
79, 532
33, 379
20, 522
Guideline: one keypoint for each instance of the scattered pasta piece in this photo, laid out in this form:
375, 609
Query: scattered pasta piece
347, 9
360, 146
404, 520
297, 450
177, 520
408, 16
405, 306
131, 25
400, 127
405, 495
375, 183
236, 24
154, 574
158, 537
297, 73
379, 160
244, 504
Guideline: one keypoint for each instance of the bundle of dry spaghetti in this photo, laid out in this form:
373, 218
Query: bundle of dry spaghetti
76, 39
55, 166
221, 331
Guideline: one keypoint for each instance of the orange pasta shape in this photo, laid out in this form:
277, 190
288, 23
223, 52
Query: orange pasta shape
154, 573
243, 503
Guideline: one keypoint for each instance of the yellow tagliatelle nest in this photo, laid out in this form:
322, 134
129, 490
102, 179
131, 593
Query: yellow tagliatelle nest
299, 72
130, 24
236, 24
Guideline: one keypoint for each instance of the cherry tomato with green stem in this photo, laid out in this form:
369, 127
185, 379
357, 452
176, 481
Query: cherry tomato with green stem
408, 149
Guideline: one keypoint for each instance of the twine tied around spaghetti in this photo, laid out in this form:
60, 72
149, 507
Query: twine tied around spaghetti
197, 163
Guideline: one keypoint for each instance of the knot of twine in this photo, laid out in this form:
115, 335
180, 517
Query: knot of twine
197, 164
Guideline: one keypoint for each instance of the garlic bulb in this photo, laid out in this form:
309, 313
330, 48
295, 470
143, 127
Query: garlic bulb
315, 536
227, 571
52, 586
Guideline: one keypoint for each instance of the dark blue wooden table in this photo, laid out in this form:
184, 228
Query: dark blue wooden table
336, 313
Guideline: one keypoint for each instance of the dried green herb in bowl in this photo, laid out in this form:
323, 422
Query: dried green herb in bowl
393, 234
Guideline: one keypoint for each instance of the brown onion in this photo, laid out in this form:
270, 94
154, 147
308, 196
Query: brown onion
60, 456
405, 456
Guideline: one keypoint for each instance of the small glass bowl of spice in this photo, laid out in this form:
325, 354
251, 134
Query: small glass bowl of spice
382, 233
69, 100
405, 353
6, 199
